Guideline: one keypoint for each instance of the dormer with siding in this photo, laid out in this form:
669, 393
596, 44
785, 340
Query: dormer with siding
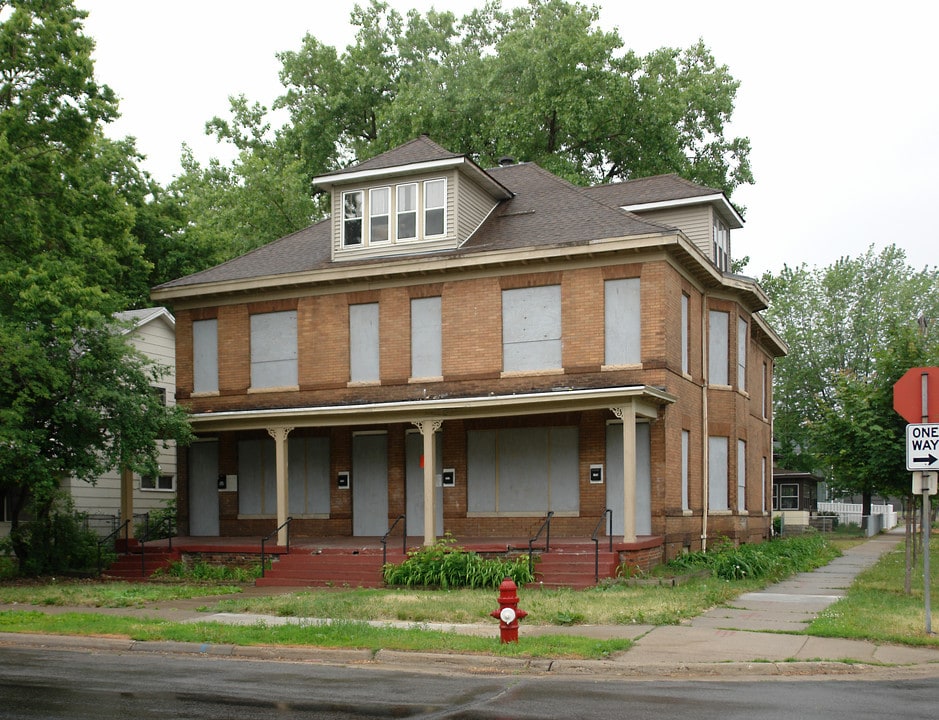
417, 198
703, 214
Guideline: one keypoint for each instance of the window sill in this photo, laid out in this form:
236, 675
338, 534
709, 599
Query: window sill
626, 366
204, 394
157, 490
430, 379
530, 373
363, 383
720, 512
282, 388
713, 386
520, 514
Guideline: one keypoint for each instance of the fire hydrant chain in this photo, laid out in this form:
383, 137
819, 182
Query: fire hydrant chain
508, 613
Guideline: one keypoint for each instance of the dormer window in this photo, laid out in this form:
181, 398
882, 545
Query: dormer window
435, 198
379, 213
393, 213
407, 211
721, 244
352, 204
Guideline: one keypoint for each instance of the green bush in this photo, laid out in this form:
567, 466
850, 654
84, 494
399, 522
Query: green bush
446, 566
767, 560
55, 541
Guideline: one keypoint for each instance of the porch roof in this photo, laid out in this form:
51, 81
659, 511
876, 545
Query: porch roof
645, 398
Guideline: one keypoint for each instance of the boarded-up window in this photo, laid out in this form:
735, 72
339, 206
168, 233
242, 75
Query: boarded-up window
257, 477
685, 334
531, 328
717, 473
685, 450
523, 470
622, 322
363, 343
741, 353
205, 356
308, 475
426, 344
719, 324
741, 475
274, 349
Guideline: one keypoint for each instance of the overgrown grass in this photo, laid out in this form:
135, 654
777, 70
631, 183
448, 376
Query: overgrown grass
350, 634
111, 594
208, 572
876, 608
767, 561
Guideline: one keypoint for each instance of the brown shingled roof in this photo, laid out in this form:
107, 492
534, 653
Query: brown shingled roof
545, 210
419, 150
658, 188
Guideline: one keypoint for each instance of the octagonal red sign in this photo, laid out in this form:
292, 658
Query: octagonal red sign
908, 395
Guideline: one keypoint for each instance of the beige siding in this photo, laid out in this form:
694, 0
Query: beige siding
473, 207
156, 339
695, 222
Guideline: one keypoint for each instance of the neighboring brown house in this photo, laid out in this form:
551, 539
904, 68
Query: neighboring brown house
795, 490
475, 348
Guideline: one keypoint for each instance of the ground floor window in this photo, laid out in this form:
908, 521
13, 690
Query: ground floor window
523, 470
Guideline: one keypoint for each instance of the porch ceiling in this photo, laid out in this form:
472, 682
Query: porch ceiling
646, 399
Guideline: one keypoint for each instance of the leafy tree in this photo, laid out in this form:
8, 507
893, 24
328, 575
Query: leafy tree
540, 83
74, 398
852, 330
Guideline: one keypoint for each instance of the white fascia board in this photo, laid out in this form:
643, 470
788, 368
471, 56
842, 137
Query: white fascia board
460, 163
646, 397
727, 210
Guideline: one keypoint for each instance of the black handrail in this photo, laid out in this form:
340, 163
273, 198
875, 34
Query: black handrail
113, 537
166, 525
285, 523
404, 539
545, 526
596, 542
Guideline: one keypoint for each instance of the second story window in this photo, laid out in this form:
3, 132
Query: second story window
352, 207
363, 343
622, 322
531, 328
719, 325
205, 356
274, 349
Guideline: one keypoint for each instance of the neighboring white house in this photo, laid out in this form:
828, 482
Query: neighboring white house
153, 332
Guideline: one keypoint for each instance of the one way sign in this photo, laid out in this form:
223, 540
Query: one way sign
922, 446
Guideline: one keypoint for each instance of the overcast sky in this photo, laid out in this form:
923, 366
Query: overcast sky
839, 99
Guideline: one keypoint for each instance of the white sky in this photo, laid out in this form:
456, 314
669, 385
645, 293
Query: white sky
838, 98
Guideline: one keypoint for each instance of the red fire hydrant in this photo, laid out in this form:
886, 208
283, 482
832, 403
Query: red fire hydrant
508, 612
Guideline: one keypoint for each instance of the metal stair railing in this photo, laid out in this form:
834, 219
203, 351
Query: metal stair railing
285, 523
545, 528
596, 542
404, 539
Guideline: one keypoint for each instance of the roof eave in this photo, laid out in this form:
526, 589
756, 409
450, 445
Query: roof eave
727, 211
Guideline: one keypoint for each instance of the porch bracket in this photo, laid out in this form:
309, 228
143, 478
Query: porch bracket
428, 427
280, 434
627, 413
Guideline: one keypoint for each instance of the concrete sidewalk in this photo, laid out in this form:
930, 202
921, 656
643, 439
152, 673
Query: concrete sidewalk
757, 635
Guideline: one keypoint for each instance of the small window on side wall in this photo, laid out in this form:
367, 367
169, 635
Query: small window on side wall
164, 483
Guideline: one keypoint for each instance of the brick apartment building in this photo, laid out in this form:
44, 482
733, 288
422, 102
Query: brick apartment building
474, 348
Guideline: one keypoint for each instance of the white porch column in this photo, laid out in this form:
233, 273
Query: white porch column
428, 428
280, 454
627, 413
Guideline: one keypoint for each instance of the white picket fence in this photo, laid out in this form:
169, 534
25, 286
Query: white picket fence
851, 513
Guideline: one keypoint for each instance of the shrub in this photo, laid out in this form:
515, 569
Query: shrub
206, 572
447, 566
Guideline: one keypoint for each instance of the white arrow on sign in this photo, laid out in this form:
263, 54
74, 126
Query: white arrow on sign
922, 446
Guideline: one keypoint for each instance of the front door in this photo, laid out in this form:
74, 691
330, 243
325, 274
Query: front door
203, 488
614, 478
369, 484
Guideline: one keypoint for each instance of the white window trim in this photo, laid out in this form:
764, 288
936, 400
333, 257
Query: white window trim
421, 208
361, 218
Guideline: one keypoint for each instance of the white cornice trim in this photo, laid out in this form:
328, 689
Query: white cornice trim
727, 209
647, 399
